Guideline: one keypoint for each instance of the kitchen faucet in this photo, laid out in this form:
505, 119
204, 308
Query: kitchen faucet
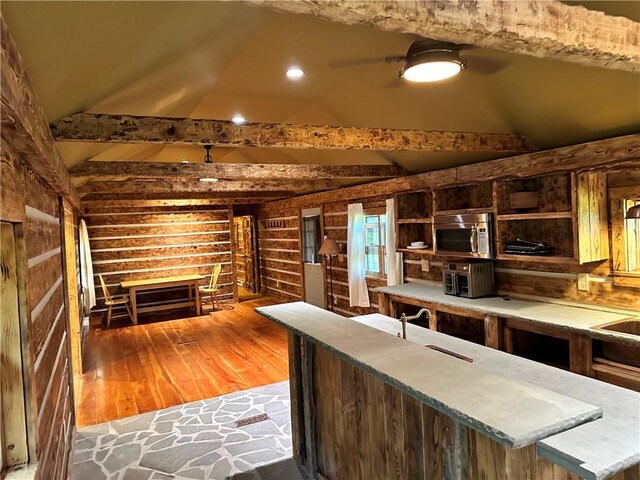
404, 319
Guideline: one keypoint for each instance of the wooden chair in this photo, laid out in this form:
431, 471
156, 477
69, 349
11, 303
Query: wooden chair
212, 288
110, 301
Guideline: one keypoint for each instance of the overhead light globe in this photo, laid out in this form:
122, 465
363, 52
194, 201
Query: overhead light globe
238, 119
432, 66
294, 73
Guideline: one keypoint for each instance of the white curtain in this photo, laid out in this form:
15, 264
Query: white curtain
394, 259
86, 270
358, 293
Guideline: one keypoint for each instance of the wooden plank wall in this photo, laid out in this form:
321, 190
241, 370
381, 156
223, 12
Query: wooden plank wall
279, 253
36, 206
557, 282
157, 242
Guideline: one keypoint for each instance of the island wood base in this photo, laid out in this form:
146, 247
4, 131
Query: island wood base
347, 423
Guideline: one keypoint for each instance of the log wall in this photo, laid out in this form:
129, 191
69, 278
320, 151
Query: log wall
35, 208
137, 243
556, 282
279, 253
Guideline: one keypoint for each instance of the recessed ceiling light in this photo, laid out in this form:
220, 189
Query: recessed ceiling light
238, 119
294, 73
209, 179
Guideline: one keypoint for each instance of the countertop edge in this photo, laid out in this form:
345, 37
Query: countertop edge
463, 418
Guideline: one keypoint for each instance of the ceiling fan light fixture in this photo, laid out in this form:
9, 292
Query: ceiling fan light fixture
432, 66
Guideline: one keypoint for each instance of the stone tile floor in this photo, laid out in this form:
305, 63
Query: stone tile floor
198, 440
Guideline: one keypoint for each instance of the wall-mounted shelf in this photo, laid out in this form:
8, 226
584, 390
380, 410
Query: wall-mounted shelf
414, 221
570, 215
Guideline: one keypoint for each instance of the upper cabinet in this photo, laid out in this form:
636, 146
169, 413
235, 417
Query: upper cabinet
566, 211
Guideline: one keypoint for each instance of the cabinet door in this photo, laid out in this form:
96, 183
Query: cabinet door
592, 234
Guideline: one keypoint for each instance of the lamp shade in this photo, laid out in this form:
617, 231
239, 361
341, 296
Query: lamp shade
329, 247
632, 212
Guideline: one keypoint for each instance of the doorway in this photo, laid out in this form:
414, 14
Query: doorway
245, 259
311, 235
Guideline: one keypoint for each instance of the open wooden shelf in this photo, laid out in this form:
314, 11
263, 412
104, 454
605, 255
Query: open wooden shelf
464, 198
537, 258
535, 216
414, 220
465, 210
427, 251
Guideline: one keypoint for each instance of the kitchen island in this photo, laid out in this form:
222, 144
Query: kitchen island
366, 404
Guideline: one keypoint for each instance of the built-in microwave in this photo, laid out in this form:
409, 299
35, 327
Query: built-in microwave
463, 235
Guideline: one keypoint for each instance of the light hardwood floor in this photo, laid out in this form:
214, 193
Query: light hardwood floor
137, 369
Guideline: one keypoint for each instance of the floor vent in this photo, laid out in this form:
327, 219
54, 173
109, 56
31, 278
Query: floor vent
249, 420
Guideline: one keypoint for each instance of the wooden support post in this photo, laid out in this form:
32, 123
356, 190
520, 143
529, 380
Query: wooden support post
508, 339
433, 320
456, 455
383, 303
309, 406
297, 405
492, 331
580, 354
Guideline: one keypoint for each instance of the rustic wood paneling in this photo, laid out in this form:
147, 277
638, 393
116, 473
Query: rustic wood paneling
366, 428
137, 244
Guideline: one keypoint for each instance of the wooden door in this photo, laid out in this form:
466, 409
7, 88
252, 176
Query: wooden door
249, 254
245, 252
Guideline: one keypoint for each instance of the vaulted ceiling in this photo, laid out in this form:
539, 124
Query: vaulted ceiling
214, 59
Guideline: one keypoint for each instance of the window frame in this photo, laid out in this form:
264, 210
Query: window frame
317, 239
619, 198
382, 254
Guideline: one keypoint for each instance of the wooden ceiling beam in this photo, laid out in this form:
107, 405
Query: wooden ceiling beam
237, 187
254, 196
183, 202
229, 171
25, 131
92, 127
541, 28
610, 155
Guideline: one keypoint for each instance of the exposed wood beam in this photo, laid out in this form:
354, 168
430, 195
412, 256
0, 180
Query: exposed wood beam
230, 171
25, 131
136, 129
542, 28
163, 186
605, 155
253, 196
109, 204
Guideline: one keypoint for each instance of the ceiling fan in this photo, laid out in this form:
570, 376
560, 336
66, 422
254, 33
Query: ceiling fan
429, 60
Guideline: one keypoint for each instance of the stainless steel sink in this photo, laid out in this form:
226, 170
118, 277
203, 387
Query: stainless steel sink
630, 326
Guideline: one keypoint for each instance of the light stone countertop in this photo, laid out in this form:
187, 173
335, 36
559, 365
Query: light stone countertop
594, 450
563, 317
511, 411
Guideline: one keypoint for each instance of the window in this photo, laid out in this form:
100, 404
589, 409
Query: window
625, 236
375, 233
311, 240
632, 239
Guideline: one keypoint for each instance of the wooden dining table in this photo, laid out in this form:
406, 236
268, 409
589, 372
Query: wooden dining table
189, 281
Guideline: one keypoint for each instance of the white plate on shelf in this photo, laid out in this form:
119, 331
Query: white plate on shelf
420, 247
